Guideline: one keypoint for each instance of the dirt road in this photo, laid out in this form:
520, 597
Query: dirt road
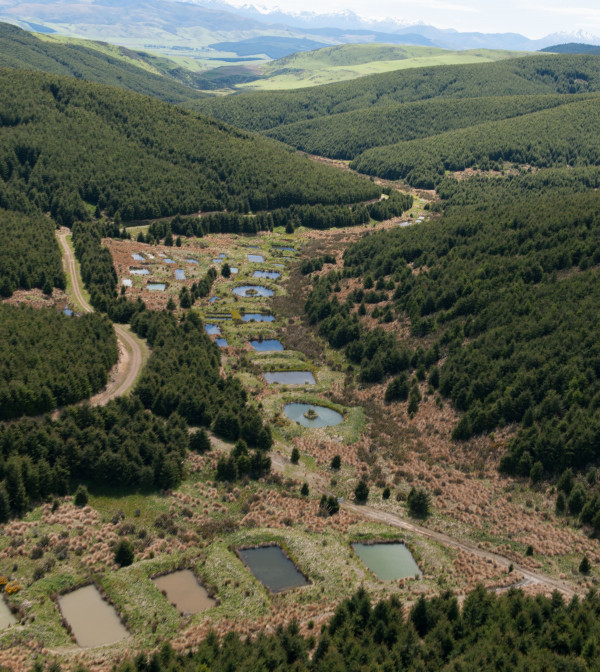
132, 350
282, 465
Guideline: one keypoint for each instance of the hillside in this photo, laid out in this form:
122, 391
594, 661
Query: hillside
350, 61
90, 61
573, 48
142, 158
540, 74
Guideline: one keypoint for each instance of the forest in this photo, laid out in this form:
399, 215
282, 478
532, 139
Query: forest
143, 158
48, 359
29, 254
532, 75
510, 631
504, 289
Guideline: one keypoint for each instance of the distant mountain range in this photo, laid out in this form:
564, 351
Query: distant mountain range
207, 28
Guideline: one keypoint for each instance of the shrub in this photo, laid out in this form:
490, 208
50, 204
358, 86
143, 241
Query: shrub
81, 496
418, 503
124, 553
361, 492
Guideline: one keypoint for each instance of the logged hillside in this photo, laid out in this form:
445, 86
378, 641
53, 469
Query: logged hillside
533, 75
502, 296
66, 145
20, 49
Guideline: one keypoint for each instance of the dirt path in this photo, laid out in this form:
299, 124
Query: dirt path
132, 350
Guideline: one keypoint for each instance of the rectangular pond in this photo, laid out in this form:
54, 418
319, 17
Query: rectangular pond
139, 271
94, 622
127, 282
252, 291
192, 261
184, 591
271, 275
284, 248
272, 568
156, 286
256, 258
212, 330
179, 274
221, 342
138, 257
257, 317
6, 617
389, 562
269, 345
290, 377
169, 261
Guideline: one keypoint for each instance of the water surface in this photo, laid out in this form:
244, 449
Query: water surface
138, 257
212, 330
256, 258
269, 345
325, 417
139, 271
250, 291
6, 617
283, 248
127, 282
94, 622
273, 568
271, 275
184, 591
257, 317
290, 377
156, 286
169, 261
179, 274
192, 261
221, 342
388, 562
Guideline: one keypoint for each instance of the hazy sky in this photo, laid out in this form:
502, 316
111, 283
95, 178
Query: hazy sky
533, 18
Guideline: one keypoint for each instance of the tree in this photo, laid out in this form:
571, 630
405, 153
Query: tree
295, 455
171, 304
178, 241
81, 496
577, 499
226, 270
561, 504
386, 493
124, 553
304, 490
336, 462
199, 441
584, 566
361, 492
537, 472
418, 502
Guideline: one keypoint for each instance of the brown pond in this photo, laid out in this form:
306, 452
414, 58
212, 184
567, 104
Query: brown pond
6, 618
184, 591
94, 622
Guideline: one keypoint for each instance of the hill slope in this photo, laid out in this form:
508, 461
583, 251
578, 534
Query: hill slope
20, 49
65, 143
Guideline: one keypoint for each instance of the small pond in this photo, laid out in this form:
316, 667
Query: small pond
250, 291
212, 330
214, 298
404, 223
233, 269
138, 257
192, 261
221, 342
184, 591
272, 275
6, 617
127, 282
256, 258
169, 261
318, 416
179, 274
257, 317
290, 377
139, 271
283, 248
272, 568
253, 247
68, 312
94, 622
279, 265
269, 345
388, 562
156, 286
223, 255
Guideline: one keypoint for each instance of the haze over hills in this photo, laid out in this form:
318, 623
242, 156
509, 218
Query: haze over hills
192, 27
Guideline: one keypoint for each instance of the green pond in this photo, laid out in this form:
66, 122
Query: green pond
389, 562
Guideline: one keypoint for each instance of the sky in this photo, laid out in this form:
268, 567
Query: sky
533, 18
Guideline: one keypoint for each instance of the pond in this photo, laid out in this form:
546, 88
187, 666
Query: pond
6, 617
217, 261
309, 415
233, 269
223, 255
184, 591
127, 282
169, 261
256, 258
290, 377
192, 261
179, 274
404, 223
257, 317
388, 562
213, 299
269, 345
279, 265
221, 342
283, 248
94, 622
212, 330
138, 271
138, 257
156, 286
272, 568
271, 275
68, 312
250, 291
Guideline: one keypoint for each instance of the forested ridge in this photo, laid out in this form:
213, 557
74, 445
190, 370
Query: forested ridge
504, 632
22, 50
533, 75
142, 158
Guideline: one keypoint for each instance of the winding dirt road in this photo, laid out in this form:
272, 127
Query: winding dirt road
132, 350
